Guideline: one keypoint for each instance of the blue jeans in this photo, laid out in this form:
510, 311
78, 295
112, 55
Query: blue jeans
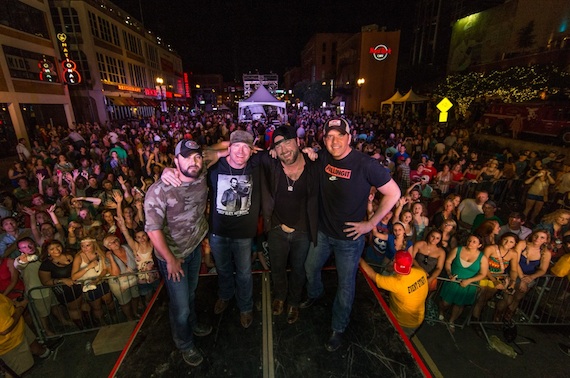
288, 247
229, 253
347, 254
182, 294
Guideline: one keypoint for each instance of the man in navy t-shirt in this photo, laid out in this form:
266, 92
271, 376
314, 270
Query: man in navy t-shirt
346, 176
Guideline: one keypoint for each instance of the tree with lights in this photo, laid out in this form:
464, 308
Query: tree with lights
515, 84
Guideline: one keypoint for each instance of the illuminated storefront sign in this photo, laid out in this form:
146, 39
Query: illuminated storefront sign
380, 52
47, 72
131, 88
150, 92
186, 85
70, 74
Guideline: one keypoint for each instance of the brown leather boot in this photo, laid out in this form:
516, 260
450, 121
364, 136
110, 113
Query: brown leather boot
292, 314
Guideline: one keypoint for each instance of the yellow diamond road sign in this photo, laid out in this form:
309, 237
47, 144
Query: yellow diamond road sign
444, 105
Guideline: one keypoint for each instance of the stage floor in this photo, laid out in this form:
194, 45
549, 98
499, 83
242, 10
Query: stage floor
372, 346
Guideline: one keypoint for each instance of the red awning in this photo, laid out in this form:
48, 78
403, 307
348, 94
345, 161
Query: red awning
123, 101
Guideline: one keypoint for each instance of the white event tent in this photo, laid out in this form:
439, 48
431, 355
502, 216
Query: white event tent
262, 105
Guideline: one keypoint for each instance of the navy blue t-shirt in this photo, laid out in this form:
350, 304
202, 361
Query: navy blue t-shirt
345, 186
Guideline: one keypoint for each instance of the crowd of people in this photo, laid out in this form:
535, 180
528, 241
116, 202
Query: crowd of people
184, 194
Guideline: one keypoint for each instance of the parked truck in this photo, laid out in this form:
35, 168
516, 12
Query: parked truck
551, 119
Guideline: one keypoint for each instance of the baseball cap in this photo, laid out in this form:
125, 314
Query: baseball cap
186, 148
338, 124
240, 136
491, 203
286, 132
403, 262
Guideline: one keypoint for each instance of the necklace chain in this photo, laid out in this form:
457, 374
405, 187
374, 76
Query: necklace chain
237, 174
290, 185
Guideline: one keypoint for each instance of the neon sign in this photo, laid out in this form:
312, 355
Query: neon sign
380, 52
186, 85
47, 72
70, 74
123, 87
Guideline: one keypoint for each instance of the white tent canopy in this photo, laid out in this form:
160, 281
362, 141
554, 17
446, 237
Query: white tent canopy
262, 105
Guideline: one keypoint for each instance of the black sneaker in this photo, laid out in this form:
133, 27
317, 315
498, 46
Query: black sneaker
335, 341
310, 301
202, 330
192, 357
51, 347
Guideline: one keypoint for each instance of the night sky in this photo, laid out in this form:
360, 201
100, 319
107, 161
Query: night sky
233, 37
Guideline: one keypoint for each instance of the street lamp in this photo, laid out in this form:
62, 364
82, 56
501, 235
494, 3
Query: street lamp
360, 82
159, 83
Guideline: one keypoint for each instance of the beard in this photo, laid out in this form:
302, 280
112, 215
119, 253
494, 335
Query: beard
291, 158
192, 171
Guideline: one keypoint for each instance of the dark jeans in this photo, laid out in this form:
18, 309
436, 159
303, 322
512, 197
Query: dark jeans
229, 253
347, 254
288, 247
181, 295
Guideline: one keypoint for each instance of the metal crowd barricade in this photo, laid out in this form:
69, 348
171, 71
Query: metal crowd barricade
546, 304
39, 301
432, 306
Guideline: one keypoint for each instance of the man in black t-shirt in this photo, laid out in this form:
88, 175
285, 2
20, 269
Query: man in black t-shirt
233, 223
290, 213
346, 176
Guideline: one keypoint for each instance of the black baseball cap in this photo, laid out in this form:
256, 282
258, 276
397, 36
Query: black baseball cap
286, 132
187, 147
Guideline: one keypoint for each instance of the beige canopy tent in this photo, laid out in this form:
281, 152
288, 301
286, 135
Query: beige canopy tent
410, 98
389, 103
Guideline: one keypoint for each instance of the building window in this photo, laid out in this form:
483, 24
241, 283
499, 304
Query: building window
132, 43
115, 31
324, 60
30, 65
93, 24
17, 15
82, 65
152, 56
333, 54
137, 75
112, 70
103, 29
66, 22
324, 46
